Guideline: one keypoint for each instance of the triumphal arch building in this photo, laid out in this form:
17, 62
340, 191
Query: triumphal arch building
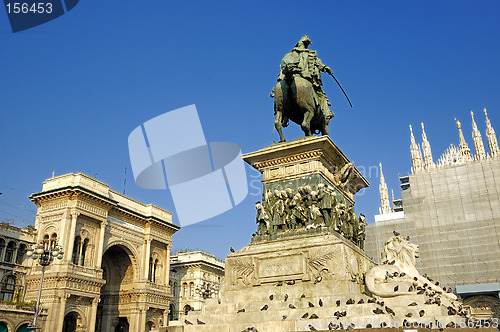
114, 275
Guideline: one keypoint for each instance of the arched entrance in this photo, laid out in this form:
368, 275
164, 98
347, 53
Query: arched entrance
23, 328
70, 322
150, 326
118, 264
122, 325
3, 327
171, 311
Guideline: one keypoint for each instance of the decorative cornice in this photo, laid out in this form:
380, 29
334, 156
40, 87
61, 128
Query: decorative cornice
315, 154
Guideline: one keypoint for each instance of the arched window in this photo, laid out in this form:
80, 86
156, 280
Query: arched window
9, 252
184, 289
155, 266
46, 241
20, 254
8, 287
53, 240
191, 289
174, 290
76, 250
84, 251
2, 246
187, 309
150, 275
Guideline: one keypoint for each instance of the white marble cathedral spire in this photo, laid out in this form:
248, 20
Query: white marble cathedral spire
492, 138
464, 147
426, 148
478, 140
416, 155
384, 195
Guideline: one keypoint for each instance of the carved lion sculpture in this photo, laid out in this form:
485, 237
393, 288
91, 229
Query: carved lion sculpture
398, 275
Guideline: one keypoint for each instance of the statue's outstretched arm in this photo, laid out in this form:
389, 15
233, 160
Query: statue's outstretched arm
324, 68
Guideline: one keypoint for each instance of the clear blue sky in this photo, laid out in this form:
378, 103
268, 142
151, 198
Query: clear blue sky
73, 89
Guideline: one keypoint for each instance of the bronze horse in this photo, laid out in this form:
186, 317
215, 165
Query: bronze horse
296, 100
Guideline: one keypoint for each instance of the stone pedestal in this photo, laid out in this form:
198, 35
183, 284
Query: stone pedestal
310, 276
307, 161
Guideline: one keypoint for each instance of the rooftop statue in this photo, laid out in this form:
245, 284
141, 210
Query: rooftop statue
298, 96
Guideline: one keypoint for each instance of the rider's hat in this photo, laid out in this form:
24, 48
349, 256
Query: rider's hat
304, 40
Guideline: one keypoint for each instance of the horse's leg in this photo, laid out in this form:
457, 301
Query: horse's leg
324, 130
306, 123
277, 124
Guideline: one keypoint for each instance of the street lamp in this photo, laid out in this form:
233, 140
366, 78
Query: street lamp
206, 291
45, 254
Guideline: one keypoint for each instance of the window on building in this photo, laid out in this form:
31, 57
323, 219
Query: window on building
76, 250
84, 251
174, 290
155, 266
7, 288
191, 289
2, 247
9, 252
53, 240
187, 309
184, 289
150, 275
20, 254
46, 241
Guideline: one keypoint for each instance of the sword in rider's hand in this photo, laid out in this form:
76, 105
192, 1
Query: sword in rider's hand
331, 74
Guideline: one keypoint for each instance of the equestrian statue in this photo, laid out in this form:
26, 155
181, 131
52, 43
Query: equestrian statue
298, 96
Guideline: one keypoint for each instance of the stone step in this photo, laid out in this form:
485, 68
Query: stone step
264, 323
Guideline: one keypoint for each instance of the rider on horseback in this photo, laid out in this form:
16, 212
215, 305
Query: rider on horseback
305, 62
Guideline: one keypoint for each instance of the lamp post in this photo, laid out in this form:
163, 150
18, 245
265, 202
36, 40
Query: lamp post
206, 291
45, 254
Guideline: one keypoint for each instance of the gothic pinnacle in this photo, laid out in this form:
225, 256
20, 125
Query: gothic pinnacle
416, 154
426, 147
492, 138
478, 141
464, 148
384, 194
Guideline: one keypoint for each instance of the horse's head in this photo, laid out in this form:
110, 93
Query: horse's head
289, 63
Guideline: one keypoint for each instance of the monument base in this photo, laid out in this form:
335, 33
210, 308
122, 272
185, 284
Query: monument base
293, 283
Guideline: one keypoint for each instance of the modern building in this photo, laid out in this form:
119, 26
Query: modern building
114, 274
195, 276
451, 209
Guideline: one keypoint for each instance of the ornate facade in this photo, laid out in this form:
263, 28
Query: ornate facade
195, 276
115, 272
15, 313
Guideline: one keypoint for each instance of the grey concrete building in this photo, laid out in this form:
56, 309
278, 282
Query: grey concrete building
451, 209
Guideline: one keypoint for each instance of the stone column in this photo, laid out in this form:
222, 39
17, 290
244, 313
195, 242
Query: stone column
62, 309
141, 319
147, 255
165, 316
93, 315
100, 245
106, 320
71, 237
